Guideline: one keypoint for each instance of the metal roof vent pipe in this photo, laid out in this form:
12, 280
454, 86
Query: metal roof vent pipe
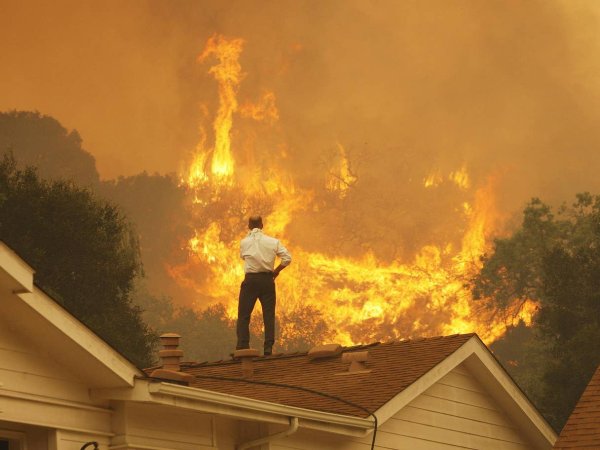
247, 356
170, 357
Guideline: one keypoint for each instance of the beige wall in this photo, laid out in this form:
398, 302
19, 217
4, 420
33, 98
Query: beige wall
455, 413
36, 391
142, 425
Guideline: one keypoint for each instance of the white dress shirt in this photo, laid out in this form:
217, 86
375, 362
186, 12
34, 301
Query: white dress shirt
259, 251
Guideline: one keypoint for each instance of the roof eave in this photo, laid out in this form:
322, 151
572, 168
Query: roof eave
158, 392
14, 272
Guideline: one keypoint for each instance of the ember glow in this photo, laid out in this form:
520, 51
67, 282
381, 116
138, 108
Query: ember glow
361, 298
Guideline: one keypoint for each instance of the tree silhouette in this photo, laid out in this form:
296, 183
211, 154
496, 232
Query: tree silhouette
41, 141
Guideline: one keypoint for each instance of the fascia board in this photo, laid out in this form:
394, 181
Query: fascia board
81, 336
477, 356
235, 406
259, 405
17, 270
507, 393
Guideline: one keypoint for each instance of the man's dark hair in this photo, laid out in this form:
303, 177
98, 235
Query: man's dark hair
255, 222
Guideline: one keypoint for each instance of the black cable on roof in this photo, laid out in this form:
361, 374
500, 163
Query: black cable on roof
300, 388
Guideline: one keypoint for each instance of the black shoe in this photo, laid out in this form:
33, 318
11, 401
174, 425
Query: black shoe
268, 351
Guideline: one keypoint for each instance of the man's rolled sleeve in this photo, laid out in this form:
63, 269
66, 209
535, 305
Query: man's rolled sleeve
284, 254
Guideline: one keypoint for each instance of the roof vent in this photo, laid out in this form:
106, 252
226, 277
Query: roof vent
324, 351
247, 356
170, 357
357, 362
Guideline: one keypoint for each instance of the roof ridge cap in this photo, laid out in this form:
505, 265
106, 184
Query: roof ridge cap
297, 354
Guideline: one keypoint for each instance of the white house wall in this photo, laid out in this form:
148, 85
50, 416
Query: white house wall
227, 432
458, 412
454, 413
143, 425
37, 391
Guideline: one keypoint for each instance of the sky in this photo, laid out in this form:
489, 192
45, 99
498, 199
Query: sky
506, 88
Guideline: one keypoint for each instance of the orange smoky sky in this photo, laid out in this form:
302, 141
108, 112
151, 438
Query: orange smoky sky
505, 87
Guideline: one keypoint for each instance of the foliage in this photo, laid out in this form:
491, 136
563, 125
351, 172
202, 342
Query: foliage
156, 204
206, 336
41, 141
84, 252
553, 259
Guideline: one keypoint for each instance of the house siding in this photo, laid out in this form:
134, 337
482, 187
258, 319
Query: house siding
227, 432
139, 425
454, 413
35, 438
36, 391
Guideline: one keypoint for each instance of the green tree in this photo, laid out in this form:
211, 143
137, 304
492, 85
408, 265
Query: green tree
84, 251
553, 259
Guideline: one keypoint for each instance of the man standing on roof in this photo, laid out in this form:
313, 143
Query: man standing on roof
258, 252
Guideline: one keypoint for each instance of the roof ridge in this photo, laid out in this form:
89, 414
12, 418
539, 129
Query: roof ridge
297, 354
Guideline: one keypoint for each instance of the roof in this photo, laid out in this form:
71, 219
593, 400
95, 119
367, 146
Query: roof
394, 367
582, 430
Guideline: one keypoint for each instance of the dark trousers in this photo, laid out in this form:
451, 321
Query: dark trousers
255, 286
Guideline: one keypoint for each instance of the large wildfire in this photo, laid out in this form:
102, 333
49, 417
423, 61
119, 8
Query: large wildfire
361, 299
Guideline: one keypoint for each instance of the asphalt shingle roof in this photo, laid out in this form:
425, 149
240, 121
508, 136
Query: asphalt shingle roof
393, 367
582, 430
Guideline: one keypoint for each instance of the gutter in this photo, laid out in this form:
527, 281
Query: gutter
291, 430
310, 418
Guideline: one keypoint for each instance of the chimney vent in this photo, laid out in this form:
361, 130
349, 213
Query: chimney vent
247, 356
171, 357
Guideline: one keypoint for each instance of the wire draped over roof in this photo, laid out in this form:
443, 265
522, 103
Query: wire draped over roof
394, 366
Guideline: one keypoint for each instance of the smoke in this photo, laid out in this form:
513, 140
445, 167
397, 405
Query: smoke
491, 84
503, 89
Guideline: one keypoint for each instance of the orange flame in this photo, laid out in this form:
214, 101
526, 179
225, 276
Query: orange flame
341, 178
228, 73
263, 111
460, 178
362, 299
